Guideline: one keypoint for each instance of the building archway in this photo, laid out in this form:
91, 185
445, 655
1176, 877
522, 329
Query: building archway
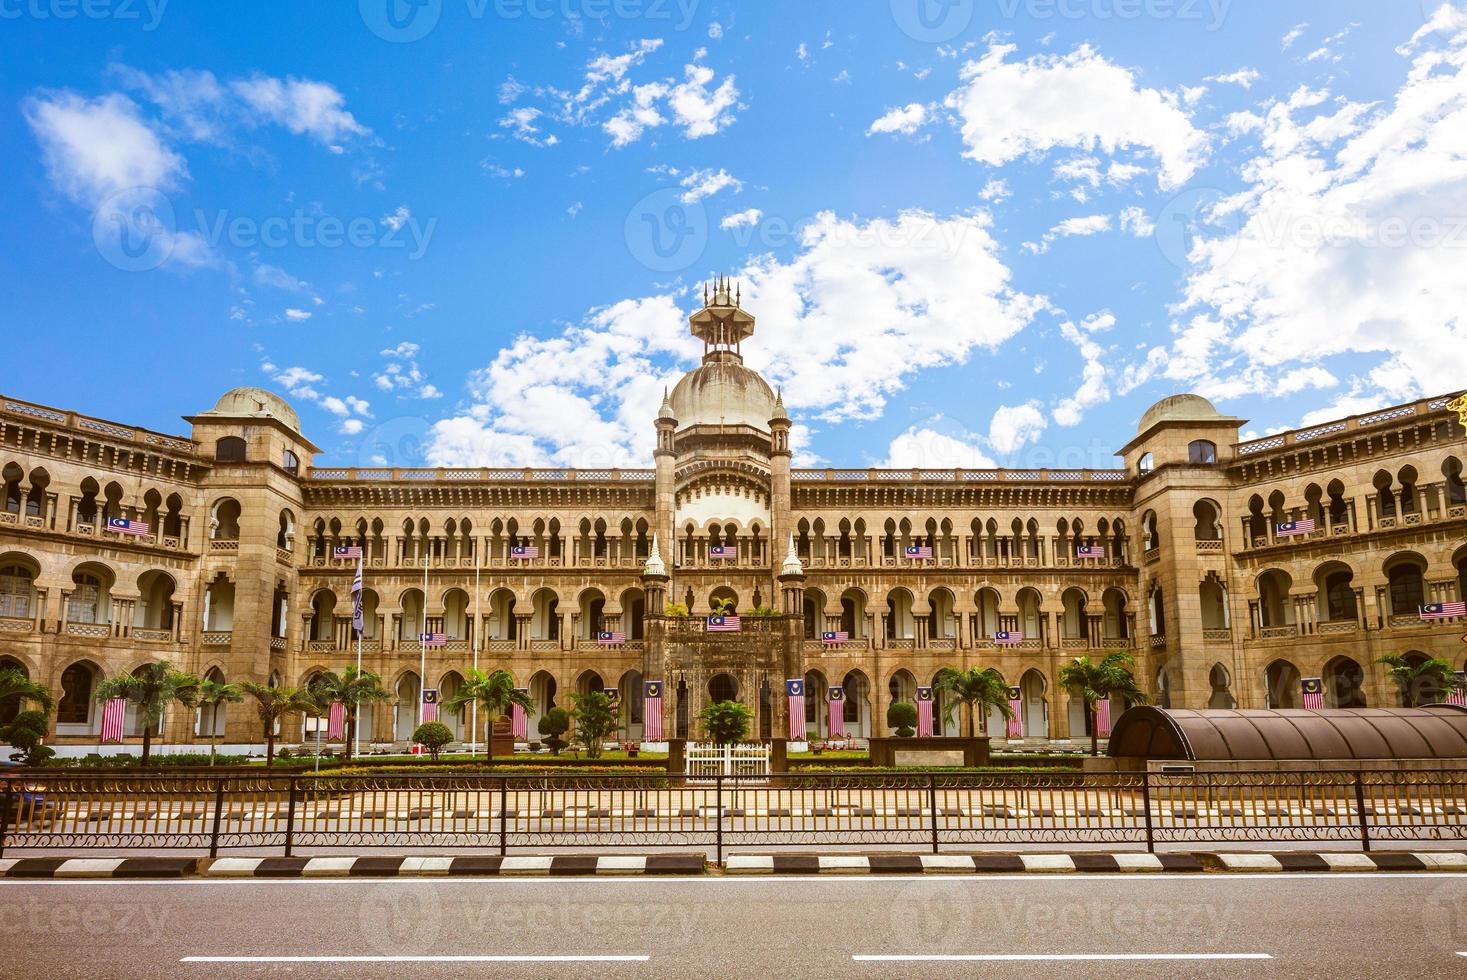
1281, 681
1344, 683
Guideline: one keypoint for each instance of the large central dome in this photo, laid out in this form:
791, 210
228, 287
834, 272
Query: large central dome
721, 391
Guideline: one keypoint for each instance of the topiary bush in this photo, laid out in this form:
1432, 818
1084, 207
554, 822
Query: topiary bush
433, 736
26, 733
902, 716
726, 721
553, 724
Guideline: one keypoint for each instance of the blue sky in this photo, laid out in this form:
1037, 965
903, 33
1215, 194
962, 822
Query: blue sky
976, 232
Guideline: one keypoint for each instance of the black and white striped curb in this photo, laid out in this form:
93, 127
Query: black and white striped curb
859, 864
354, 866
566, 865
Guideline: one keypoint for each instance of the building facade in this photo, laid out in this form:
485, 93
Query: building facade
1175, 557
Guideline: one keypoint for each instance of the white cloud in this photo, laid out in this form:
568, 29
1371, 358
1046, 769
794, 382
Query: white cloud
742, 219
699, 110
1243, 76
1015, 426
907, 119
301, 106
521, 121
1136, 221
1350, 237
925, 448
887, 298
96, 147
1080, 101
1093, 389
397, 218
715, 30
352, 427
995, 190
1090, 224
297, 315
1294, 33
702, 184
402, 375
277, 278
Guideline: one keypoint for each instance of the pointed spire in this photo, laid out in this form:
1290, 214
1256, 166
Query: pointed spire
666, 411
654, 567
791, 564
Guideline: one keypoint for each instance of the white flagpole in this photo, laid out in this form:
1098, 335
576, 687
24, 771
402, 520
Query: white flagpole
422, 641
356, 723
478, 629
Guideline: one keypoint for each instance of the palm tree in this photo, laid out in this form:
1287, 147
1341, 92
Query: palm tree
351, 689
274, 703
1098, 681
15, 684
211, 695
979, 690
496, 696
152, 687
1419, 677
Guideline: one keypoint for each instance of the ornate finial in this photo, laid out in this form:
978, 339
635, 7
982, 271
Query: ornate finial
1459, 405
739, 294
705, 293
791, 564
654, 567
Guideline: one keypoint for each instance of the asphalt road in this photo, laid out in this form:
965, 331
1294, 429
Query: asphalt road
1113, 926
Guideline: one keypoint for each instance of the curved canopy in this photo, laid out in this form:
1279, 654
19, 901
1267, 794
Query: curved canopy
1216, 735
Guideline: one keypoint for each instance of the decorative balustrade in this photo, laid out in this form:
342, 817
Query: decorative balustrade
1158, 641
152, 635
89, 630
15, 624
218, 638
1209, 547
1278, 632
486, 475
224, 545
1215, 635
1338, 627
277, 643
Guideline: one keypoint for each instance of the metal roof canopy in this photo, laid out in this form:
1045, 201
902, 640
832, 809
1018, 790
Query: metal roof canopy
1218, 735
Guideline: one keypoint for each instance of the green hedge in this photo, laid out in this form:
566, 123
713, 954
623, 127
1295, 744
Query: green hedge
126, 760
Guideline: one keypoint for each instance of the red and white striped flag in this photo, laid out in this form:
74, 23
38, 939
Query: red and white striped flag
519, 724
1458, 694
1102, 717
652, 711
336, 721
121, 525
114, 712
1313, 689
430, 704
837, 701
1016, 705
1443, 610
924, 712
795, 692
1292, 529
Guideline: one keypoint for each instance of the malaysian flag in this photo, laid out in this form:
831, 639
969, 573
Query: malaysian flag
834, 638
1090, 551
723, 624
837, 702
350, 552
336, 721
1102, 718
358, 617
430, 704
433, 639
723, 551
1016, 705
1458, 693
1313, 689
613, 698
519, 724
652, 711
924, 712
1291, 529
611, 639
121, 525
1443, 610
918, 553
113, 714
795, 691
524, 552
1008, 637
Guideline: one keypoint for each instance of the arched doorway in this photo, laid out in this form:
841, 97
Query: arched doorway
1281, 682
1344, 684
722, 687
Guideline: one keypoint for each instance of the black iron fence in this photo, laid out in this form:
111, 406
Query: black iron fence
500, 812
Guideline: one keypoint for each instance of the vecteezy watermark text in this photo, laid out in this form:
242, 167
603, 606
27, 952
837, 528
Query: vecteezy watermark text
148, 12
405, 21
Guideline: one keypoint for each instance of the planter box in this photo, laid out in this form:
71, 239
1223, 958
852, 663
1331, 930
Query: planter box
967, 752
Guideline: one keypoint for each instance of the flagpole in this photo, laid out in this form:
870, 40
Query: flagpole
423, 642
478, 628
356, 723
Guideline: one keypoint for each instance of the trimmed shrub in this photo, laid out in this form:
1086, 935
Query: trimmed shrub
433, 736
902, 716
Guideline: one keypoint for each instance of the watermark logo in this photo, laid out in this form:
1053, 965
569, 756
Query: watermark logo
400, 21
401, 918
149, 13
1210, 13
400, 443
1190, 218
134, 229
932, 21
666, 234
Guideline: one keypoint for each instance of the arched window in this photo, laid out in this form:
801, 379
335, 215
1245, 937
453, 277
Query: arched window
1201, 452
1146, 463
74, 707
17, 592
230, 449
88, 601
1339, 596
1407, 589
291, 463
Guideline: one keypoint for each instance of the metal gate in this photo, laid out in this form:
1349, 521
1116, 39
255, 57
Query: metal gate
747, 761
